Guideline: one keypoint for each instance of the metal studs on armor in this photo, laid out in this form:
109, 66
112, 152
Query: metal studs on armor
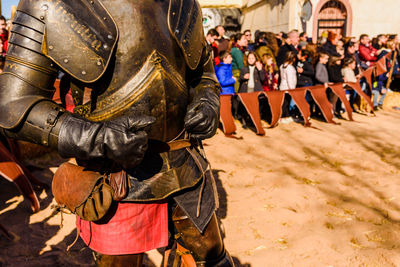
109, 36
98, 63
92, 2
66, 60
105, 46
105, 18
83, 72
42, 17
51, 47
45, 7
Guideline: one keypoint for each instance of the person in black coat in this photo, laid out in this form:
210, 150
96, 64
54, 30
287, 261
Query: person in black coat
335, 76
305, 70
330, 46
291, 42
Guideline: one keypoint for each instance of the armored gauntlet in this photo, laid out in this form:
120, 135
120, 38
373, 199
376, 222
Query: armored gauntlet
123, 140
202, 117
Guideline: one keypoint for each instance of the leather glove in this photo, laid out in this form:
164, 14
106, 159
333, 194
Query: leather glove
202, 116
123, 140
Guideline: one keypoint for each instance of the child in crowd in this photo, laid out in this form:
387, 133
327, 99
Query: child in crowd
224, 74
271, 76
321, 71
288, 81
349, 65
252, 76
305, 70
349, 76
335, 76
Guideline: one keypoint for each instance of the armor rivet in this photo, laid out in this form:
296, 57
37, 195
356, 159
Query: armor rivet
189, 55
105, 46
83, 72
45, 7
99, 62
66, 60
184, 41
92, 2
51, 47
42, 17
105, 18
177, 31
109, 36
173, 13
45, 142
51, 65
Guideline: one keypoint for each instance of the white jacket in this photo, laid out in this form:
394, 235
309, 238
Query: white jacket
288, 77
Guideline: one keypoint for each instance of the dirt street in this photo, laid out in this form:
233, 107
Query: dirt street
320, 196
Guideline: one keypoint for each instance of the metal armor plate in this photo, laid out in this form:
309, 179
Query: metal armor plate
185, 22
80, 36
157, 90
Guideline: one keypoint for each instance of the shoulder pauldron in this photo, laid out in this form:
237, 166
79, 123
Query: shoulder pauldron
80, 36
185, 23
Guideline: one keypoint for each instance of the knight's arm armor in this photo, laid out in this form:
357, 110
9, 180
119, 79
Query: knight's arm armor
26, 86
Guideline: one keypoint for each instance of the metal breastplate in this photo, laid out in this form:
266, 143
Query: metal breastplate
156, 90
147, 75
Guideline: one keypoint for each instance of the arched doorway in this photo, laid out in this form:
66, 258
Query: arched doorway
332, 15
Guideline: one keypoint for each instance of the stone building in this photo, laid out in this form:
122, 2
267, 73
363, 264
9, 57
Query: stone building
349, 17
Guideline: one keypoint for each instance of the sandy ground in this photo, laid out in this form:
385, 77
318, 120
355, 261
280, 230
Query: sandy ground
320, 196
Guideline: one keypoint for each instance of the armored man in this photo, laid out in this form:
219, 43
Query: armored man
154, 97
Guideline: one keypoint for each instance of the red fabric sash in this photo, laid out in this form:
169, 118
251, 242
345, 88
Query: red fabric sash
318, 92
250, 102
299, 97
381, 66
134, 228
275, 101
367, 74
356, 86
228, 124
341, 93
13, 172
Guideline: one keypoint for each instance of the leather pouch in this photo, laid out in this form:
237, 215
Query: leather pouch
87, 193
119, 185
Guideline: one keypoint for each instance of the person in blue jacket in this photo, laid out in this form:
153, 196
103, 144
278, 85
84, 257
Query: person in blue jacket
224, 74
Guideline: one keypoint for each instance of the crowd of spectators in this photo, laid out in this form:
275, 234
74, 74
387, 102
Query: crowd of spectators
291, 60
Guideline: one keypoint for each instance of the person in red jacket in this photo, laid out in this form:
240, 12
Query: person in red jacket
368, 54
